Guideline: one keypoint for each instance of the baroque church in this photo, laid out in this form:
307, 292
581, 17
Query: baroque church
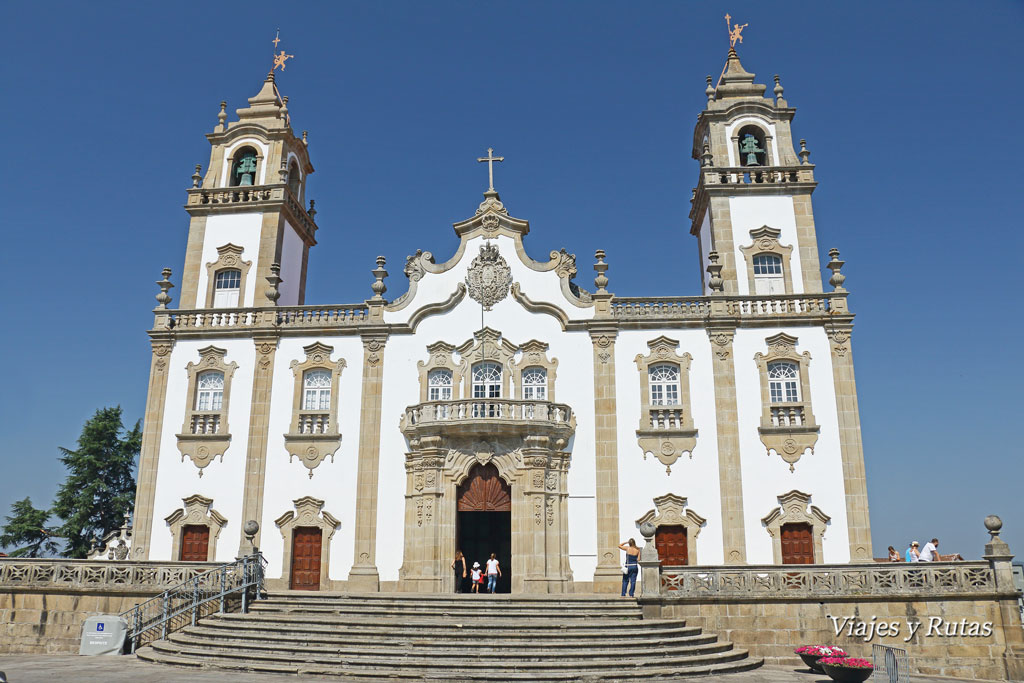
371, 440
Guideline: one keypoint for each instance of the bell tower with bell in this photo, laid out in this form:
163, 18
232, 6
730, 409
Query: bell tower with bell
751, 210
250, 233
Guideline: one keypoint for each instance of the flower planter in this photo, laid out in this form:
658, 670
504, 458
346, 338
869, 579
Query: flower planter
812, 662
845, 674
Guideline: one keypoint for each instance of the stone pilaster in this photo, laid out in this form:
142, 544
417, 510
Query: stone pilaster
608, 575
722, 242
729, 474
850, 446
149, 457
364, 575
259, 432
807, 243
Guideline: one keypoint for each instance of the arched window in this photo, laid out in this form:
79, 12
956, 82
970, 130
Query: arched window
226, 288
293, 179
664, 382
486, 380
210, 391
243, 171
784, 382
768, 276
316, 390
439, 385
535, 384
752, 150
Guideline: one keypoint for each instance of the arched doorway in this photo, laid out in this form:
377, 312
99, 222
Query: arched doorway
483, 523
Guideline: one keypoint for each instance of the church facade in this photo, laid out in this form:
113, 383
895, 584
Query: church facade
501, 403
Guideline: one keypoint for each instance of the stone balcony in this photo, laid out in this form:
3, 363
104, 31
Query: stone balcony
203, 201
491, 417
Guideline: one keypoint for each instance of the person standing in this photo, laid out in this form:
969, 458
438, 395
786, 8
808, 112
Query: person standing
930, 553
459, 567
912, 554
493, 572
630, 569
894, 555
476, 576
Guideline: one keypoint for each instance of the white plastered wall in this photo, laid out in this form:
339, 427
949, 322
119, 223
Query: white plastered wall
332, 482
766, 477
241, 229
696, 478
749, 213
291, 266
222, 481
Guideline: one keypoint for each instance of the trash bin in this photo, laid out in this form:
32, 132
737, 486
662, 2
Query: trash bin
103, 635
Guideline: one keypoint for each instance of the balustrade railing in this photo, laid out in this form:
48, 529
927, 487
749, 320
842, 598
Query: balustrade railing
787, 415
789, 581
486, 409
753, 175
663, 418
681, 308
201, 595
283, 316
662, 307
126, 575
790, 304
205, 423
314, 423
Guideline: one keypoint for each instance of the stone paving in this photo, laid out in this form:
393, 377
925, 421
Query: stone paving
53, 668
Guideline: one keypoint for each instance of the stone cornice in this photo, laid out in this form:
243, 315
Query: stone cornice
203, 201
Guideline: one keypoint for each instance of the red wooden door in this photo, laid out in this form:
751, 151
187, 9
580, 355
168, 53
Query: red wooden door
797, 544
306, 544
484, 491
670, 541
195, 543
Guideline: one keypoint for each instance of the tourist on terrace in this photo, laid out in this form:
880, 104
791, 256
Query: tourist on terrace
493, 572
912, 554
459, 567
894, 555
629, 570
930, 552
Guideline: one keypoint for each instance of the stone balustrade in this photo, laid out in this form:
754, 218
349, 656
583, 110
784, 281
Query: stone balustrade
752, 175
498, 410
669, 307
663, 418
779, 305
218, 319
788, 415
85, 575
807, 581
318, 422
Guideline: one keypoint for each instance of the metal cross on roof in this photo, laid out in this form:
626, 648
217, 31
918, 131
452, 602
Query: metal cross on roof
490, 159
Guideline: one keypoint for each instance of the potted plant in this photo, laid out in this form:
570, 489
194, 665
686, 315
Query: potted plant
812, 653
847, 669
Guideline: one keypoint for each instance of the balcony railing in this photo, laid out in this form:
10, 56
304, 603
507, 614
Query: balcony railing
486, 409
663, 418
788, 415
314, 422
753, 175
205, 423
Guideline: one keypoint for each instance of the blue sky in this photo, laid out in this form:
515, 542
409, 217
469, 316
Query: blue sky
909, 109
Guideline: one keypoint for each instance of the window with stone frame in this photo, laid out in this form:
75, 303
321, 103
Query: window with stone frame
205, 434
787, 422
226, 288
439, 385
314, 432
533, 374
768, 271
535, 384
666, 421
768, 274
486, 380
226, 278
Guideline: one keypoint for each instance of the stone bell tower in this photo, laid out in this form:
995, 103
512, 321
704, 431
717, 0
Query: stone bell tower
249, 230
752, 203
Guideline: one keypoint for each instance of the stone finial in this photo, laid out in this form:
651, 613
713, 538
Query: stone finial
312, 210
779, 100
222, 117
601, 281
378, 286
273, 280
836, 265
197, 176
804, 154
165, 284
715, 282
283, 171
305, 138
710, 91
251, 528
284, 109
706, 158
994, 525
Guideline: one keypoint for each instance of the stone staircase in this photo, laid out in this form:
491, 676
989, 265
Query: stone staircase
416, 637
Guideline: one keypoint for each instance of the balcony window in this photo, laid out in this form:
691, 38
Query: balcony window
486, 380
210, 392
784, 382
439, 385
768, 276
535, 384
664, 383
226, 288
316, 392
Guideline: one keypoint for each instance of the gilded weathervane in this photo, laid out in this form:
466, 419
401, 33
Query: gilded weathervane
279, 59
735, 31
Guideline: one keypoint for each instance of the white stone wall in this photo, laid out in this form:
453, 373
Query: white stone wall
291, 267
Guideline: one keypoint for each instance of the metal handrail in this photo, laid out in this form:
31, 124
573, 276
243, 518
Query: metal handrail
190, 600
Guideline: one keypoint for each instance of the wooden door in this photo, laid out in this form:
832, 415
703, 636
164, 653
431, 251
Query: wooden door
306, 545
797, 544
670, 541
484, 491
195, 543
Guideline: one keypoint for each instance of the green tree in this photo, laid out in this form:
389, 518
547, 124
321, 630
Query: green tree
100, 486
26, 527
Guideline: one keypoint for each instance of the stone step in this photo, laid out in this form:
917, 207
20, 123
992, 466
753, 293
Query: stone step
422, 646
567, 599
541, 623
402, 664
445, 613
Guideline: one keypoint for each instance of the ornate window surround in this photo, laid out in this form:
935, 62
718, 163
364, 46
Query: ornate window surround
441, 359
487, 345
788, 429
229, 256
198, 511
308, 511
795, 507
203, 448
671, 510
312, 447
665, 431
534, 355
765, 240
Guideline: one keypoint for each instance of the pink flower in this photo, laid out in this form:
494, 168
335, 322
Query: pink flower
820, 651
847, 662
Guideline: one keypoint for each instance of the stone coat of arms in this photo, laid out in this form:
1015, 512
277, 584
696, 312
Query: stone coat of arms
489, 277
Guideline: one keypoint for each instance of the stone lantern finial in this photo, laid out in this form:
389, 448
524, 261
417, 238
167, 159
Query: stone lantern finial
222, 116
379, 287
715, 282
710, 91
601, 281
779, 100
706, 158
197, 176
165, 285
836, 265
804, 154
273, 281
312, 209
305, 138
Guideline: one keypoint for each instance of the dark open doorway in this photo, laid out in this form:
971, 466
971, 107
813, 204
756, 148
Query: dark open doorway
484, 521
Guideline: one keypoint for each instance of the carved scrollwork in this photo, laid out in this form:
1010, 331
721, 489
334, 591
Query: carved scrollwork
787, 426
666, 427
489, 277
314, 434
205, 434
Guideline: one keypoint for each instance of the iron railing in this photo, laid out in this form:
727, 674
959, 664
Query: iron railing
184, 605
